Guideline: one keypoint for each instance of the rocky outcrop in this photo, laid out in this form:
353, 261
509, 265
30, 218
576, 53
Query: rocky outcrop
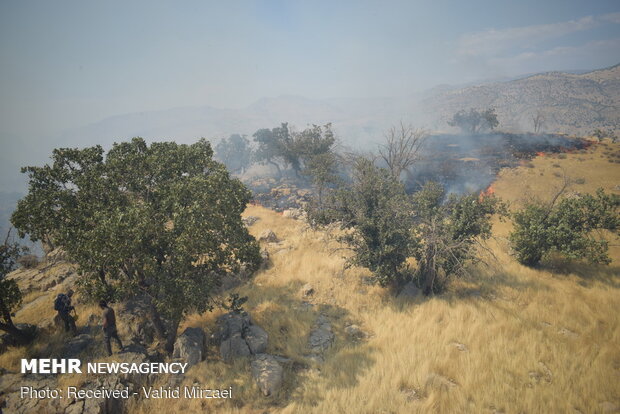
268, 236
249, 220
256, 338
190, 346
239, 337
267, 373
321, 337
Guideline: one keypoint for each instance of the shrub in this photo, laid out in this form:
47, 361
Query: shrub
565, 227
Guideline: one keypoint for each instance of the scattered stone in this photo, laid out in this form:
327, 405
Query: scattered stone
256, 338
294, 213
267, 373
437, 381
307, 290
268, 236
76, 345
461, 347
411, 394
568, 333
354, 332
321, 337
250, 220
190, 346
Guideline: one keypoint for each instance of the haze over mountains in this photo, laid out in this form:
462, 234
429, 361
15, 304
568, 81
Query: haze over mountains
570, 103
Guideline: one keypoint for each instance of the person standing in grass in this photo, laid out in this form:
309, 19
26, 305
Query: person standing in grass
109, 327
62, 304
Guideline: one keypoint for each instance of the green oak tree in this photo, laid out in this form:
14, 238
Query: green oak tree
10, 295
162, 221
568, 226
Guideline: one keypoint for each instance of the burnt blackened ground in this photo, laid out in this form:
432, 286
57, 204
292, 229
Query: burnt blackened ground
465, 164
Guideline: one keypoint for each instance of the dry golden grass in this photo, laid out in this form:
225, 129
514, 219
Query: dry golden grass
536, 340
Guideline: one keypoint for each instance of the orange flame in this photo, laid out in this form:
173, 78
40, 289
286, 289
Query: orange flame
487, 193
540, 154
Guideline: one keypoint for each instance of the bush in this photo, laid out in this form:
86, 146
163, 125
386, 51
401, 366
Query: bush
566, 227
375, 213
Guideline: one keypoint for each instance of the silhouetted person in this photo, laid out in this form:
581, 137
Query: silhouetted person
109, 327
62, 304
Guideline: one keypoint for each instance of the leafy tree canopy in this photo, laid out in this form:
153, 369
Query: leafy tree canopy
474, 121
10, 295
568, 227
449, 232
234, 152
160, 220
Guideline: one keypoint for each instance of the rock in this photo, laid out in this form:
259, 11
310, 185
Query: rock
409, 291
568, 333
190, 346
231, 324
234, 347
268, 236
249, 220
267, 373
76, 345
440, 382
461, 347
264, 254
354, 332
294, 213
307, 290
321, 337
256, 338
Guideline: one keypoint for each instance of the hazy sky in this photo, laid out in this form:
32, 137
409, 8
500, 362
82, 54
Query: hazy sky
69, 63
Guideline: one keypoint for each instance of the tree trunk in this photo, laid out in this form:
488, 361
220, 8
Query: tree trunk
20, 336
160, 329
172, 336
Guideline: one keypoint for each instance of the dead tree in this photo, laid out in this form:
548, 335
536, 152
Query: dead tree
402, 147
539, 121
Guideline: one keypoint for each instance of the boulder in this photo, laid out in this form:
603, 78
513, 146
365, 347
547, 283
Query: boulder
268, 236
354, 332
321, 337
234, 347
307, 290
190, 346
256, 338
76, 345
249, 220
267, 373
231, 324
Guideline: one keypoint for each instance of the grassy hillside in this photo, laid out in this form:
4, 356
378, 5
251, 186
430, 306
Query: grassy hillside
505, 339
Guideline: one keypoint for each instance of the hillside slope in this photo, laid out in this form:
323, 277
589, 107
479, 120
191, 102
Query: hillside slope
506, 339
572, 104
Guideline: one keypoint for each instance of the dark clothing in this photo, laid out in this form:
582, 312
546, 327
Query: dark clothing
109, 319
63, 305
111, 334
69, 322
109, 329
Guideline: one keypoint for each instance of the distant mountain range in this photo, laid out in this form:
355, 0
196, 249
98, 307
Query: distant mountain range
572, 103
